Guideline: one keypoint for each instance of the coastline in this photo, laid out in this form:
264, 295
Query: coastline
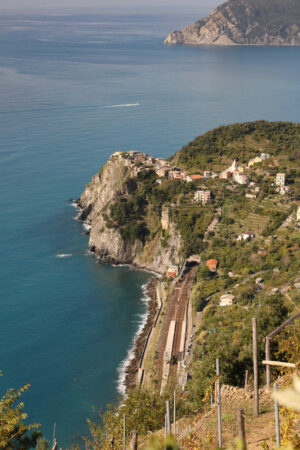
133, 360
128, 368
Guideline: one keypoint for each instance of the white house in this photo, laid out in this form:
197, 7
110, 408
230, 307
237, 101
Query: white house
241, 178
245, 237
226, 300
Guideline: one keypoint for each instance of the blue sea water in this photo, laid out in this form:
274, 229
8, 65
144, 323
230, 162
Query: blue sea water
66, 324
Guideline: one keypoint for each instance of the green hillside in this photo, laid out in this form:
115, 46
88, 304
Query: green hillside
243, 141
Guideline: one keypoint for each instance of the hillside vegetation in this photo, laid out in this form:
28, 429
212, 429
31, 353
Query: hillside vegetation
242, 141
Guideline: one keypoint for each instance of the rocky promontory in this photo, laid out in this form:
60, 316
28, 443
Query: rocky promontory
245, 22
125, 228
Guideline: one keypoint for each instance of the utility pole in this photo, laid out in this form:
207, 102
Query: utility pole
168, 418
219, 403
174, 414
255, 366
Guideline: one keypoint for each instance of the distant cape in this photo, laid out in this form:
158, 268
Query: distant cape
245, 22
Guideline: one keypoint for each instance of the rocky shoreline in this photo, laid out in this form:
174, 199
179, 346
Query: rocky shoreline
139, 345
133, 365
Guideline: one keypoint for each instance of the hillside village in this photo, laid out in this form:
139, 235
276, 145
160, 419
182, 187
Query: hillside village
228, 229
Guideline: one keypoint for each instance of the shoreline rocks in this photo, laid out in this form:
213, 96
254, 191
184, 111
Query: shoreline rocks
133, 366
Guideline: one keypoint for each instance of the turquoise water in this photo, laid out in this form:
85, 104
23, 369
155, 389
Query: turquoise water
66, 324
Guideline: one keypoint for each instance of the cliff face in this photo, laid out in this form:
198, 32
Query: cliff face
245, 22
107, 187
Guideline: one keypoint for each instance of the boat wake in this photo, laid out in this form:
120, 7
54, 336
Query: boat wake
125, 105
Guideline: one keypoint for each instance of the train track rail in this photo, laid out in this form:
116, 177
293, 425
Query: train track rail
176, 310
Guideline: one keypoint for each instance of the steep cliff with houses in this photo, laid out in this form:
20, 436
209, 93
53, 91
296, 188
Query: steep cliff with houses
112, 184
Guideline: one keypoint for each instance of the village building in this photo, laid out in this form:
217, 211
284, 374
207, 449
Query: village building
298, 213
133, 153
226, 300
141, 157
212, 264
161, 162
225, 175
245, 237
188, 179
283, 190
196, 177
256, 160
117, 153
161, 171
175, 173
280, 179
251, 196
202, 196
241, 178
172, 271
234, 166
207, 174
264, 156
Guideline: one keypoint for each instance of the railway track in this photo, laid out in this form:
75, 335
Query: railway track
176, 310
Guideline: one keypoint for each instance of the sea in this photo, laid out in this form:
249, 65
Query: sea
75, 87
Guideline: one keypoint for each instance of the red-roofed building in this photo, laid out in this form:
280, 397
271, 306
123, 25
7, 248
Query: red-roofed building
196, 177
212, 264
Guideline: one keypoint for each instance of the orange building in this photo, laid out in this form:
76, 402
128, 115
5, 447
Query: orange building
212, 264
196, 177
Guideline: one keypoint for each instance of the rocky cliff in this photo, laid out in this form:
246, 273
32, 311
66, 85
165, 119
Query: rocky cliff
107, 187
245, 22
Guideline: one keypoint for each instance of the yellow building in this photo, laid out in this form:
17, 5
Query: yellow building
280, 179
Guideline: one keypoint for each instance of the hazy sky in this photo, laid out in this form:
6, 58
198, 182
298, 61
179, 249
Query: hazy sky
172, 6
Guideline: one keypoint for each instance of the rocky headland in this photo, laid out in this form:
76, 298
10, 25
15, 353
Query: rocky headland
245, 22
113, 186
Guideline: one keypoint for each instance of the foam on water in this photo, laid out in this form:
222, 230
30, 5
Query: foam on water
86, 226
141, 322
63, 255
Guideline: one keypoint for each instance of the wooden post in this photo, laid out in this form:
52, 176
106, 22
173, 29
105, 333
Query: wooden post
277, 419
134, 440
268, 358
255, 366
241, 427
246, 379
219, 403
